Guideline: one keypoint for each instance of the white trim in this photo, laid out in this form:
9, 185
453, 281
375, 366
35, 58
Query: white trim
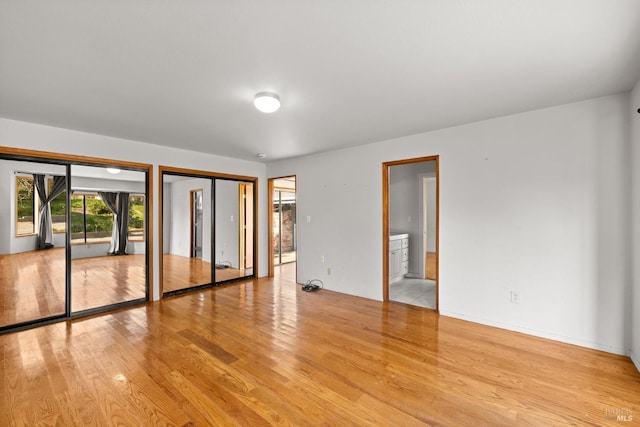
635, 360
542, 334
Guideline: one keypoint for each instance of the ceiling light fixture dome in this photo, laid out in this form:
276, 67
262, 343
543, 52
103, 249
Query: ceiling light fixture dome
113, 170
267, 102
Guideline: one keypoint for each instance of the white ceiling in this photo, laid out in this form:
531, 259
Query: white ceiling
183, 73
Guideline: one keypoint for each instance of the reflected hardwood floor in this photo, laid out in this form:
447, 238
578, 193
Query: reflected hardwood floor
179, 272
285, 272
32, 284
263, 352
100, 281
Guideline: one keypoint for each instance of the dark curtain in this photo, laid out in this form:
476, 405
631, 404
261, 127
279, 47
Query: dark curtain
123, 222
118, 203
111, 200
45, 229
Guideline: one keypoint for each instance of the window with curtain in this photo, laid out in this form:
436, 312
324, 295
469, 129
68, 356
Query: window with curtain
58, 209
91, 219
26, 206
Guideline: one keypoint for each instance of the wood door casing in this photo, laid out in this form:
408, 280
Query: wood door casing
430, 267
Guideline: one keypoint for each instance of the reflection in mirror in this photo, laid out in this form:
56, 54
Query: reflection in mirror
186, 232
284, 221
234, 233
107, 237
32, 241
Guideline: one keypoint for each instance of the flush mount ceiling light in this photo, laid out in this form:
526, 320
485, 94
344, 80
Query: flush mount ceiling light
261, 155
267, 102
113, 170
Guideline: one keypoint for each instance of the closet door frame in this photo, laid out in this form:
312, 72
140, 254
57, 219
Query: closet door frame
194, 173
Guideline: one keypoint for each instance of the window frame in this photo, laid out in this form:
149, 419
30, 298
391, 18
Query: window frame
36, 206
84, 222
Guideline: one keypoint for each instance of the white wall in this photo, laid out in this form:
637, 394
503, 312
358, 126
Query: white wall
91, 250
99, 184
635, 198
550, 221
46, 138
227, 227
180, 217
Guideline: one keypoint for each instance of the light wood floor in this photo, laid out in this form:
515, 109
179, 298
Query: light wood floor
180, 272
264, 352
32, 284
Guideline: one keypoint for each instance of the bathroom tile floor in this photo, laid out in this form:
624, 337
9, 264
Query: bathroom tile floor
417, 292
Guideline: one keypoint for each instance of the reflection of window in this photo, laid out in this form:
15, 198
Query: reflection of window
91, 219
25, 206
136, 218
58, 210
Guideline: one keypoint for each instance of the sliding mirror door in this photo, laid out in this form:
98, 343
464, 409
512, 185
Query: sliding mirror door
186, 242
108, 237
32, 241
208, 229
234, 229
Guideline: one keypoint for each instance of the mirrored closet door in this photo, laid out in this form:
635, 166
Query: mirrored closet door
208, 230
186, 232
73, 238
108, 211
32, 241
233, 230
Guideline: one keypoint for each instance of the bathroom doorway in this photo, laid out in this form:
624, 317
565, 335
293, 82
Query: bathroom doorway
410, 231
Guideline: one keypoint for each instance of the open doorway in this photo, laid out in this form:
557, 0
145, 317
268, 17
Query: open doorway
282, 225
410, 231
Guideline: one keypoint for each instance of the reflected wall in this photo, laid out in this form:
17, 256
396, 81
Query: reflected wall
233, 226
187, 223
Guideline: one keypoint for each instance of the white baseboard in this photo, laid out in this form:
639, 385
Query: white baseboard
635, 360
542, 334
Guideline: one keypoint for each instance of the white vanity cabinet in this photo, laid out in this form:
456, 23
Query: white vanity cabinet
398, 256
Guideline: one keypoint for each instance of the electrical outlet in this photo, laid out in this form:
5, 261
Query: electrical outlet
328, 271
515, 297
